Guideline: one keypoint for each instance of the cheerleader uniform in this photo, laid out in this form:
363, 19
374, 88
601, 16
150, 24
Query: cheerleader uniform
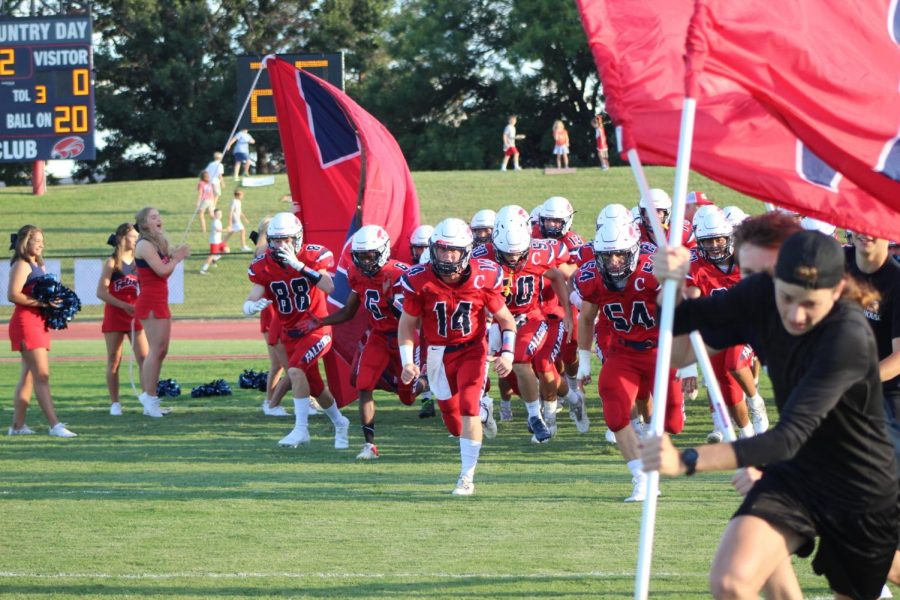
123, 285
26, 326
154, 292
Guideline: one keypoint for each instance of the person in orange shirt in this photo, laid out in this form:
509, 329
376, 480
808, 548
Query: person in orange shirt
561, 145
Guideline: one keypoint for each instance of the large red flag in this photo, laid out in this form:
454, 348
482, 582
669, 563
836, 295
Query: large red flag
345, 170
828, 69
639, 48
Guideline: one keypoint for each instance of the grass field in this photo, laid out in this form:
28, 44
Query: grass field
204, 504
78, 219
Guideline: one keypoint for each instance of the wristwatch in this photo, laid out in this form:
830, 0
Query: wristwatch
689, 460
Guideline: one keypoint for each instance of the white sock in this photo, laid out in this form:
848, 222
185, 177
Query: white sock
301, 413
534, 408
572, 397
468, 454
636, 467
551, 407
573, 383
747, 431
755, 400
333, 413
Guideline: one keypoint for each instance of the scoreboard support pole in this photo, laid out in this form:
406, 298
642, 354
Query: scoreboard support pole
38, 178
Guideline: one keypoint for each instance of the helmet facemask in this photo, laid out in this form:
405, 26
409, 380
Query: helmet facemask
718, 253
617, 265
449, 267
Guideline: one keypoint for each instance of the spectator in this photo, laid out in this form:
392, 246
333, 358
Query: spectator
216, 172
509, 144
205, 199
237, 220
561, 145
241, 142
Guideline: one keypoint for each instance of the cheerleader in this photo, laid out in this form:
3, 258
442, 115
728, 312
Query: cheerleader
118, 288
155, 262
28, 334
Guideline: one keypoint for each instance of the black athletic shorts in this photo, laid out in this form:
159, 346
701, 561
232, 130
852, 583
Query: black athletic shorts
855, 549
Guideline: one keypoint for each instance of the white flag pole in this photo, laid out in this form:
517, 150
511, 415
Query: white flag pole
664, 347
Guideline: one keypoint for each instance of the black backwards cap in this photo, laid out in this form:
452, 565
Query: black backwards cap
811, 260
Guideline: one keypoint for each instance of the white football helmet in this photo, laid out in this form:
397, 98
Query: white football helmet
659, 200
419, 240
285, 225
370, 249
614, 211
425, 258
512, 236
710, 224
555, 217
817, 225
535, 215
617, 249
482, 225
735, 215
451, 234
636, 214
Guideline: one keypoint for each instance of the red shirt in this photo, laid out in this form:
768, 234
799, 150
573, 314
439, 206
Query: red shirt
376, 293
631, 311
709, 278
293, 295
525, 288
453, 314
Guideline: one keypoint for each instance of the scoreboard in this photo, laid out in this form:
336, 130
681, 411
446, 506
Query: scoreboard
46, 89
260, 113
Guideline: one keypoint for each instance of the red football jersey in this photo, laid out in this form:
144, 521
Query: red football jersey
376, 293
631, 311
453, 314
524, 289
294, 296
709, 278
583, 254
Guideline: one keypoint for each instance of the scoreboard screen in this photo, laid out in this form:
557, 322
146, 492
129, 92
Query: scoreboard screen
46, 89
260, 113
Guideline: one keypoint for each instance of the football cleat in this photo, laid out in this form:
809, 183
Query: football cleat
639, 492
540, 430
506, 413
609, 436
758, 416
549, 416
341, 431
464, 487
714, 437
427, 410
578, 414
314, 408
369, 452
488, 424
296, 437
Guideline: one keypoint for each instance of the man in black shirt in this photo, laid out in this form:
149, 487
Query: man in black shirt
869, 261
829, 467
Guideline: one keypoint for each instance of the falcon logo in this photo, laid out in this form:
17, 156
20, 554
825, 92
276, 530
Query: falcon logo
69, 147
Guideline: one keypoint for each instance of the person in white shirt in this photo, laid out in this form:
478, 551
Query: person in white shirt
216, 245
237, 220
216, 172
509, 144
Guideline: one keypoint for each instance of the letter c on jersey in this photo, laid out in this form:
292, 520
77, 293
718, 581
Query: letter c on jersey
639, 284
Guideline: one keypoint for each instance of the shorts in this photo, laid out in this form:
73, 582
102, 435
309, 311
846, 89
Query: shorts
511, 151
560, 150
625, 375
116, 320
378, 357
217, 187
275, 329
235, 227
205, 205
539, 342
26, 327
458, 371
732, 393
217, 248
855, 549
241, 157
308, 349
266, 316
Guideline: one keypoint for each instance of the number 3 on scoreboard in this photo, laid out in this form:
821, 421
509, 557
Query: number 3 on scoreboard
70, 119
7, 61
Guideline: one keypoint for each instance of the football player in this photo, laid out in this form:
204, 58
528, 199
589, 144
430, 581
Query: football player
482, 226
620, 287
418, 241
660, 201
448, 297
528, 265
374, 283
713, 270
293, 276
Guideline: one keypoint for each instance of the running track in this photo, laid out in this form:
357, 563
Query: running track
219, 329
